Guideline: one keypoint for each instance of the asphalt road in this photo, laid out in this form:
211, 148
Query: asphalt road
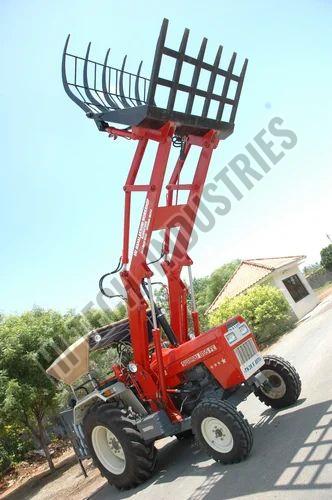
292, 452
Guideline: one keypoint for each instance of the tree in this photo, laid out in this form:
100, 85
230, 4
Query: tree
311, 268
161, 298
326, 257
100, 317
27, 347
218, 280
206, 289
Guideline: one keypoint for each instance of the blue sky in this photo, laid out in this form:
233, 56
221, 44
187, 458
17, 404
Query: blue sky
61, 180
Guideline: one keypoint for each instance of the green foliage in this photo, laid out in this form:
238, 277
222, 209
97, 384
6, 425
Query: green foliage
312, 268
28, 345
326, 257
101, 361
5, 460
218, 280
263, 307
99, 317
206, 289
161, 297
15, 440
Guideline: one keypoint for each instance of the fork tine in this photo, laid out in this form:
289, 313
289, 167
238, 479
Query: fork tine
113, 104
226, 86
212, 80
122, 94
159, 50
66, 86
195, 78
87, 90
137, 95
238, 91
177, 71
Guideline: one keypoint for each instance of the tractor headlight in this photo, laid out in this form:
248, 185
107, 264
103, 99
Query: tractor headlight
243, 328
231, 337
236, 333
97, 338
132, 367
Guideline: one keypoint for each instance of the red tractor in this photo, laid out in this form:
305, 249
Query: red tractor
171, 378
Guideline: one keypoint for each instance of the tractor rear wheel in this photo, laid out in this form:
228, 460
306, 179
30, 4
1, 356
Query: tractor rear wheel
284, 383
117, 447
221, 431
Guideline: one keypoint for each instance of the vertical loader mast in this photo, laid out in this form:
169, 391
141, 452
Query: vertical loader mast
169, 111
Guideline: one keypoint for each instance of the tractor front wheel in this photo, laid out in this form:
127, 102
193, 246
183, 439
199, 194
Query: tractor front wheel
284, 383
117, 447
221, 431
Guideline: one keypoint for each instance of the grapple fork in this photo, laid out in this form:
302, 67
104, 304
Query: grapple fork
114, 95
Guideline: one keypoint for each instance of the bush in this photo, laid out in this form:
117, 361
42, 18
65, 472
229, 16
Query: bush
5, 460
264, 308
16, 441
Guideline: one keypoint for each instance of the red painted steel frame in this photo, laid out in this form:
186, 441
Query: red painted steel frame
152, 387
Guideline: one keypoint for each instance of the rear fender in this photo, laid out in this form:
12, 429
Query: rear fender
118, 390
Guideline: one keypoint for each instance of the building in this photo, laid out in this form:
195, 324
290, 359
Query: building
281, 272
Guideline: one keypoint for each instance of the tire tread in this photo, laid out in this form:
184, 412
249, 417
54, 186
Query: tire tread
292, 377
240, 424
143, 459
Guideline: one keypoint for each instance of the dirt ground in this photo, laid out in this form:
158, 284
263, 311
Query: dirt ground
35, 465
325, 291
66, 483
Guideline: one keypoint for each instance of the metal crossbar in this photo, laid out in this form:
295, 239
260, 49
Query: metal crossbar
192, 90
116, 88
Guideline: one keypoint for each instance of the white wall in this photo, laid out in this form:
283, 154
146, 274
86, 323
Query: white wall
306, 304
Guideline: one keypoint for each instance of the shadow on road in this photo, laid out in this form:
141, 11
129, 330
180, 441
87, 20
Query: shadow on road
292, 451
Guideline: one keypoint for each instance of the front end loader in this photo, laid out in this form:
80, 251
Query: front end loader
171, 378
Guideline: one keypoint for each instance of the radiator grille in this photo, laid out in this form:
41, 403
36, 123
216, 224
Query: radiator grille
245, 351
